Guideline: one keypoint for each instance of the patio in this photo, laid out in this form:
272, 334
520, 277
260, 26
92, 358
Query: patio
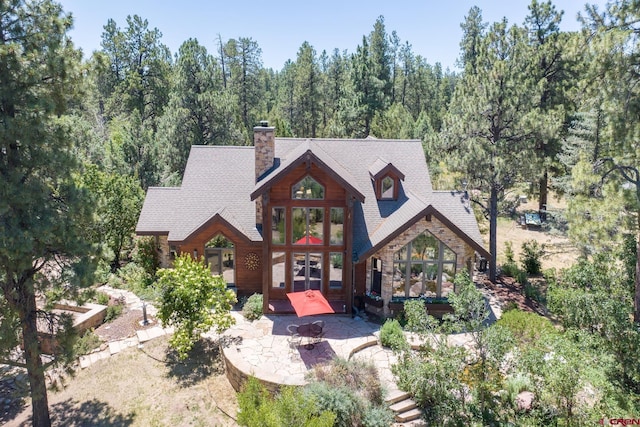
261, 348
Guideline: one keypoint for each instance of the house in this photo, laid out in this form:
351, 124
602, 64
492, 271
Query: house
343, 216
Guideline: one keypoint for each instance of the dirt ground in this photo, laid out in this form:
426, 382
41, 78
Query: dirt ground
145, 387
558, 250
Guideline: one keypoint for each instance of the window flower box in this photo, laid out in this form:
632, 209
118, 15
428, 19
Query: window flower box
436, 307
373, 300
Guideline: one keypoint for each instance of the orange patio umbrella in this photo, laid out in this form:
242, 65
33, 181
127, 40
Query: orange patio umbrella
309, 302
313, 240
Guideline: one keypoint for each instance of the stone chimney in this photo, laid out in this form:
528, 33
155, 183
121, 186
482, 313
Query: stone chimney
264, 146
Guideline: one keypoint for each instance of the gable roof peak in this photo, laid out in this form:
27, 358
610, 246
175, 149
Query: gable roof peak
381, 167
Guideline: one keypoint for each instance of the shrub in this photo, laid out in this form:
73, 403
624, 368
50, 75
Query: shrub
526, 328
87, 343
359, 376
510, 269
252, 308
113, 311
377, 416
146, 255
291, 407
392, 335
132, 277
193, 301
531, 257
345, 404
102, 298
508, 253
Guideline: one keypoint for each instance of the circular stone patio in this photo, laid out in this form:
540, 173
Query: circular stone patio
261, 348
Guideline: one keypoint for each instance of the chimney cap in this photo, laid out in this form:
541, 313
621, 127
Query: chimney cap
264, 123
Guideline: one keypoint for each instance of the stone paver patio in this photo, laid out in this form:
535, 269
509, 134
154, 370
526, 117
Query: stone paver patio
261, 348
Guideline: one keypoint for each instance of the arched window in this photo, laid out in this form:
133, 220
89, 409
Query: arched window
307, 189
220, 255
425, 266
388, 185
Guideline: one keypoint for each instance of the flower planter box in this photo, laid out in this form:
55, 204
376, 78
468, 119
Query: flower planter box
438, 310
373, 302
396, 306
435, 309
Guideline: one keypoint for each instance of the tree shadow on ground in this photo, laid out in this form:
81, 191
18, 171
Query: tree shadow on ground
10, 412
204, 360
71, 413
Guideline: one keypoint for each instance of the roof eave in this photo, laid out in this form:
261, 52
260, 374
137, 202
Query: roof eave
429, 210
305, 157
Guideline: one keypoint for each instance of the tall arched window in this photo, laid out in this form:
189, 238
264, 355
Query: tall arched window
425, 266
220, 255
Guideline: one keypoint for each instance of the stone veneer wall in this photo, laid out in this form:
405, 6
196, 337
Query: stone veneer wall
264, 146
464, 252
164, 251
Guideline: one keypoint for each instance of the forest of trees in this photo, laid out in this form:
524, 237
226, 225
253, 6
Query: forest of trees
532, 105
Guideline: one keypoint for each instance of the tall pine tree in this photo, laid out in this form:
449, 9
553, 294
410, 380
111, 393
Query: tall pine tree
42, 211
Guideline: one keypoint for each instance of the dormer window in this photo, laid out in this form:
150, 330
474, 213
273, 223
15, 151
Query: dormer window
307, 189
386, 179
388, 187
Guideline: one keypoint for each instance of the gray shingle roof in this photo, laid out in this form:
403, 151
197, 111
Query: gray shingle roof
219, 180
300, 152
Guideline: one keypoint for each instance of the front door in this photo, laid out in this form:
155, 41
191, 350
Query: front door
307, 271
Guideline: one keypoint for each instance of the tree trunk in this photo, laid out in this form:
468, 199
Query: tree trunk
493, 232
544, 191
636, 299
35, 370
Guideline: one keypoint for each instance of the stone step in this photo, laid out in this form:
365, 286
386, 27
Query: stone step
396, 396
403, 406
411, 415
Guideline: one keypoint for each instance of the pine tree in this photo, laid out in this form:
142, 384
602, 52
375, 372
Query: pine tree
549, 51
42, 211
200, 111
491, 123
613, 77
306, 93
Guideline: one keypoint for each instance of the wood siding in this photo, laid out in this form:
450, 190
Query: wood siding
247, 281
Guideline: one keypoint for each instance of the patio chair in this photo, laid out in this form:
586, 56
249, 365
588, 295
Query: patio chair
295, 341
320, 335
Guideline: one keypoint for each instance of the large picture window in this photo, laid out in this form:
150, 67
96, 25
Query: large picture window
337, 226
308, 224
425, 266
278, 226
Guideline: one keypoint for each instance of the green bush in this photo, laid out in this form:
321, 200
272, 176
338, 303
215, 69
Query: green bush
510, 269
133, 277
113, 311
102, 298
359, 376
87, 343
508, 253
146, 255
531, 257
377, 416
392, 335
526, 328
291, 407
341, 401
252, 308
